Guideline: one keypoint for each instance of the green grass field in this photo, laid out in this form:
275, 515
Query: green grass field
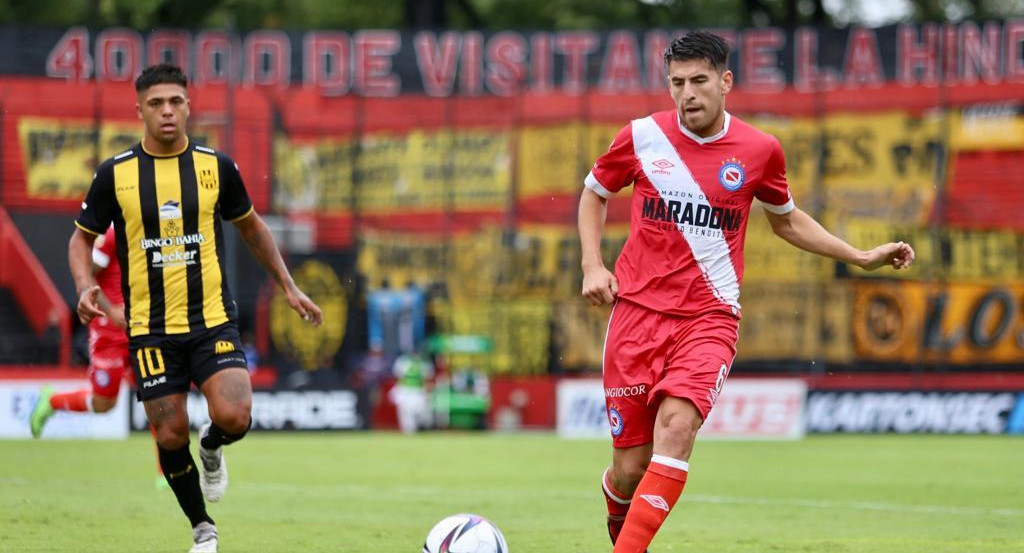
381, 493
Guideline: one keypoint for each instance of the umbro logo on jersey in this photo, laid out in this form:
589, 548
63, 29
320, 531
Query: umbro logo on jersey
662, 167
656, 501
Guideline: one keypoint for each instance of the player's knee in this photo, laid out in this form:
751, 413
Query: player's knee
678, 418
627, 473
171, 438
676, 431
236, 422
681, 425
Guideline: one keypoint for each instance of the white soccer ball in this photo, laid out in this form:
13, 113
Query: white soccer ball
465, 533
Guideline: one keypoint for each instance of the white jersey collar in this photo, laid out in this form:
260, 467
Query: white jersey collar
700, 139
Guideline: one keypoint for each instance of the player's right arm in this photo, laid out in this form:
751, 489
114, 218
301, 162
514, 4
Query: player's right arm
80, 261
94, 219
113, 312
599, 284
613, 171
102, 252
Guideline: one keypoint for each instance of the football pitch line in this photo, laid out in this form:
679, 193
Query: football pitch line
856, 505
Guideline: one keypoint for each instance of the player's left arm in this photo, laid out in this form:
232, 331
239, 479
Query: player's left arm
801, 230
236, 207
261, 243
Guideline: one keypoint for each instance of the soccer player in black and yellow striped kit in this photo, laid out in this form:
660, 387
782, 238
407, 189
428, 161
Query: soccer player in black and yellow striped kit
166, 197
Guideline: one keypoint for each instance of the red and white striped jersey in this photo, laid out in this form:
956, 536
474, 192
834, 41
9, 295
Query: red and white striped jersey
691, 201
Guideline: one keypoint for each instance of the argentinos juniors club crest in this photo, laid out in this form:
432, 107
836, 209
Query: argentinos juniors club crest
732, 174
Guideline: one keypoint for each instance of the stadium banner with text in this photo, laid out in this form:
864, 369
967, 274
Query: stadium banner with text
800, 320
551, 158
404, 176
747, 408
766, 409
397, 174
954, 323
984, 191
876, 165
18, 397
767, 259
441, 63
284, 410
873, 166
913, 412
454, 160
59, 155
989, 126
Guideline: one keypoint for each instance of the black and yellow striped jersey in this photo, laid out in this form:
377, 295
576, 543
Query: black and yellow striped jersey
167, 212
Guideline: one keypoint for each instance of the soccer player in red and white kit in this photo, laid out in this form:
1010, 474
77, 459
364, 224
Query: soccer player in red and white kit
672, 331
109, 363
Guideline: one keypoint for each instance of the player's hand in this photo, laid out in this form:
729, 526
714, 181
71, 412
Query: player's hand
600, 286
304, 306
88, 306
899, 255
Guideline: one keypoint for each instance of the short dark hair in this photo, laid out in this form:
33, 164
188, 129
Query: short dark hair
163, 73
699, 45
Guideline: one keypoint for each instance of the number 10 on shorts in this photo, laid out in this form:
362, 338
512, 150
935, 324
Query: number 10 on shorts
151, 362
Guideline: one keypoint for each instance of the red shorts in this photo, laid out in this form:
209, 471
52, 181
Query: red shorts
109, 361
649, 355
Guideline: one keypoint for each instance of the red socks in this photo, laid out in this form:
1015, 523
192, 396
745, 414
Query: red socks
72, 401
618, 506
653, 500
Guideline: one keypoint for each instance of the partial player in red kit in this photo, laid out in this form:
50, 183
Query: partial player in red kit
673, 328
109, 363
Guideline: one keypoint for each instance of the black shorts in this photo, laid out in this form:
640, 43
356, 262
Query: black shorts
167, 364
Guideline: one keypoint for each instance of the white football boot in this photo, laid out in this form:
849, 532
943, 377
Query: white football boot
205, 537
214, 480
